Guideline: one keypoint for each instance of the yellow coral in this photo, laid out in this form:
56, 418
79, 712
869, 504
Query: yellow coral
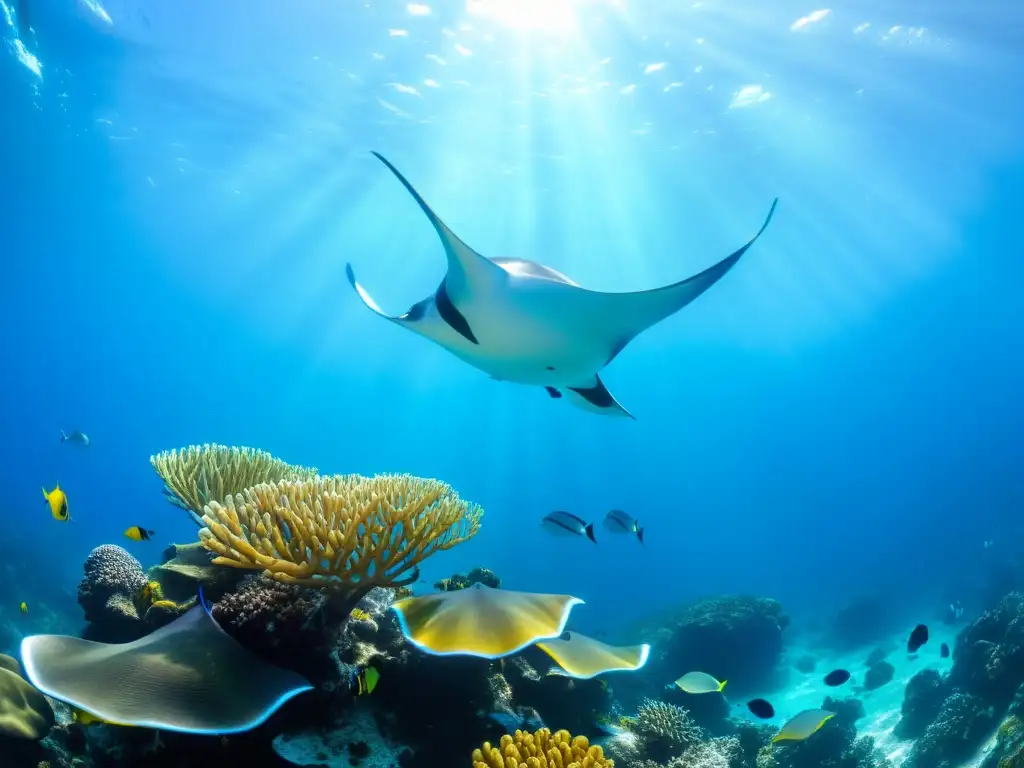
346, 532
198, 474
542, 749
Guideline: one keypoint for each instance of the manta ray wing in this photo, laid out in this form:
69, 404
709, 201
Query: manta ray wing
468, 271
620, 317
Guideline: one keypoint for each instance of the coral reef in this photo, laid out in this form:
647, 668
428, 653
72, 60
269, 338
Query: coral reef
989, 654
922, 700
196, 475
878, 674
352, 739
346, 533
835, 745
186, 567
806, 663
960, 726
865, 619
665, 730
878, 655
542, 749
738, 638
113, 581
288, 625
477, 575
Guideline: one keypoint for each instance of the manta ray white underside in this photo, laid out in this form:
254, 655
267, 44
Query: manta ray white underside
520, 321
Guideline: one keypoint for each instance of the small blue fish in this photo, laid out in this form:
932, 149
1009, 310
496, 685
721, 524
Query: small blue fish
567, 524
618, 521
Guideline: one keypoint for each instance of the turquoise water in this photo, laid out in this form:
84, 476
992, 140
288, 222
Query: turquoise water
184, 183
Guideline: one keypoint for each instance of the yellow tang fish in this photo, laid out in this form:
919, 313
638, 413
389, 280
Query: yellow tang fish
23, 607
137, 533
58, 504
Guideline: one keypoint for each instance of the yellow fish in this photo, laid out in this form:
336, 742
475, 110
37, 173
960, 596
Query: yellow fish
84, 718
58, 504
366, 680
803, 725
23, 607
136, 533
360, 615
700, 682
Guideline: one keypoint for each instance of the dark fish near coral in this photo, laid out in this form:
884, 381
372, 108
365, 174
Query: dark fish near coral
944, 651
618, 521
761, 708
58, 504
136, 533
567, 524
837, 677
77, 437
917, 638
366, 680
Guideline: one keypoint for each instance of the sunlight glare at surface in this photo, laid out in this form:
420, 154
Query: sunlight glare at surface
556, 16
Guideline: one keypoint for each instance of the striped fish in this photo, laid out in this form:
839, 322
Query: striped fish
567, 524
618, 521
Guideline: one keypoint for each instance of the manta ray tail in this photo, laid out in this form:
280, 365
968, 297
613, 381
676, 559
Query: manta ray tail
594, 398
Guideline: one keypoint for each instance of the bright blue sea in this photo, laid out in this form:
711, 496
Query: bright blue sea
183, 183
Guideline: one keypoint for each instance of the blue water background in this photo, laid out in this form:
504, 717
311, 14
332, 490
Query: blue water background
841, 413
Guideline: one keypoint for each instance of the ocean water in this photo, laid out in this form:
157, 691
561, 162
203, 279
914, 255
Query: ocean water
842, 414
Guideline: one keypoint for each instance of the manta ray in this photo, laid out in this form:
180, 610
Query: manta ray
523, 322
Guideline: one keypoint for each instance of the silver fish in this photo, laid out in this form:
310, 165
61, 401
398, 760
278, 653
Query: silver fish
77, 436
567, 524
618, 521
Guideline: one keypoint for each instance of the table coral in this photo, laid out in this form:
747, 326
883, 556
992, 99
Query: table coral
542, 749
346, 533
196, 475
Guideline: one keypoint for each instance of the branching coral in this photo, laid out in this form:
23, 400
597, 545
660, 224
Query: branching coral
345, 532
665, 729
196, 475
542, 749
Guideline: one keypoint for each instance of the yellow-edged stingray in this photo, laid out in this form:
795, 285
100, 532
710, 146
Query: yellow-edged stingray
524, 322
482, 621
188, 676
583, 657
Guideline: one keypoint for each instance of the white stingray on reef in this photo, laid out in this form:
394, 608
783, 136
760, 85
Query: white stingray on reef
188, 676
523, 322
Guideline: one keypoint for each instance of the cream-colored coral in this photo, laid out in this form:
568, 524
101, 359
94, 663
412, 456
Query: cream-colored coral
345, 532
542, 749
199, 474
